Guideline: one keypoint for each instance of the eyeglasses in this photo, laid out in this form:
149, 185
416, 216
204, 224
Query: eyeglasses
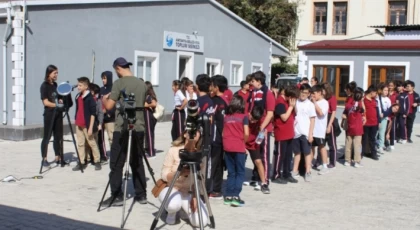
306, 93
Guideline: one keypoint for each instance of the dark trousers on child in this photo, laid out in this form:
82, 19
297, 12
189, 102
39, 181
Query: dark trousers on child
101, 144
401, 130
235, 164
410, 121
369, 140
283, 155
215, 169
178, 123
392, 132
150, 124
265, 159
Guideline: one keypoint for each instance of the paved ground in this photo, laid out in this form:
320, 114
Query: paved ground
382, 195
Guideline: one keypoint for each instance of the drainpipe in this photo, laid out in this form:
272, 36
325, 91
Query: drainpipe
5, 39
25, 8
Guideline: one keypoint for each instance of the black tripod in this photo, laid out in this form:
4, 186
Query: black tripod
126, 142
61, 107
197, 176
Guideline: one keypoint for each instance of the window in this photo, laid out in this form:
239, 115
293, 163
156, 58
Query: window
236, 72
397, 12
185, 65
212, 66
337, 76
340, 18
147, 66
320, 20
256, 67
378, 74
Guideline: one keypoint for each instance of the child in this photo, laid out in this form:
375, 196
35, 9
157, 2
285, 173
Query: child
254, 148
178, 115
94, 89
393, 94
244, 93
215, 162
86, 124
413, 102
402, 115
204, 100
370, 128
150, 120
303, 129
354, 132
321, 121
391, 129
235, 135
284, 120
384, 103
332, 124
109, 115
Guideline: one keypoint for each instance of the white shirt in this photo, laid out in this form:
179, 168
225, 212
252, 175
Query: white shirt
179, 98
321, 121
304, 111
386, 104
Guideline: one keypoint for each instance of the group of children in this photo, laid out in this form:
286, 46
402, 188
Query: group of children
302, 119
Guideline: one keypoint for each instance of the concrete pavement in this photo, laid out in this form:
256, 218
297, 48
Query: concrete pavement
382, 195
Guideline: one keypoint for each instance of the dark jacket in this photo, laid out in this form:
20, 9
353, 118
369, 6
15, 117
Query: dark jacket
416, 100
402, 100
109, 116
89, 106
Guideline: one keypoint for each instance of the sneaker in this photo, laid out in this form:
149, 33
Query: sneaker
403, 141
171, 218
295, 175
323, 171
45, 164
388, 149
279, 180
319, 167
215, 195
98, 166
308, 177
141, 199
118, 201
330, 166
290, 179
78, 167
358, 165
227, 200
347, 163
257, 188
410, 141
253, 183
265, 189
104, 161
392, 147
237, 202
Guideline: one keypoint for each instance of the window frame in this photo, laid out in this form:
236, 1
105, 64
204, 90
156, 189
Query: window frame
154, 68
256, 64
389, 11
217, 69
337, 77
189, 68
241, 73
314, 18
334, 15
383, 72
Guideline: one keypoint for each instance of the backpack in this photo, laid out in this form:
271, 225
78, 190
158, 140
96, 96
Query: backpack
159, 111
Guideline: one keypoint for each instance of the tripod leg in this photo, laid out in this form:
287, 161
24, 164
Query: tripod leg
197, 195
45, 145
74, 140
127, 166
206, 199
152, 174
111, 175
165, 200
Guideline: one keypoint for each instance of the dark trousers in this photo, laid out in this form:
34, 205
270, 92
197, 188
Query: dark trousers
150, 124
136, 162
265, 159
215, 167
283, 155
178, 123
101, 144
392, 132
57, 132
235, 164
410, 121
401, 130
369, 140
332, 147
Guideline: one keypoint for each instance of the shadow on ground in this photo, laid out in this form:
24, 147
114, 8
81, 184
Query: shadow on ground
16, 218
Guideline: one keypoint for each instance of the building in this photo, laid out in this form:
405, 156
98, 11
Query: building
166, 40
364, 61
345, 19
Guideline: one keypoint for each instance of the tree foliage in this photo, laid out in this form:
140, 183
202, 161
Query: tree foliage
276, 18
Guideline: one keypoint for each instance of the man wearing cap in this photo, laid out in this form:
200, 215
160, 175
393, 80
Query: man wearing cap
130, 84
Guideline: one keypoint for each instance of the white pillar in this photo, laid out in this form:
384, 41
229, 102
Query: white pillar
18, 88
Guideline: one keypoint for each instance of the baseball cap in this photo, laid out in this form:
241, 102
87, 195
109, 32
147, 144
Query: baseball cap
121, 62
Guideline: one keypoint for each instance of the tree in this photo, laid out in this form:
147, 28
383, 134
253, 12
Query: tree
276, 18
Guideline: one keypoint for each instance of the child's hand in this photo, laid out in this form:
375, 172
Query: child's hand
99, 127
292, 102
415, 105
329, 128
310, 138
90, 132
387, 136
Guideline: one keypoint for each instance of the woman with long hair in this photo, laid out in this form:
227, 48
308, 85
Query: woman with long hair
53, 124
178, 115
150, 120
180, 196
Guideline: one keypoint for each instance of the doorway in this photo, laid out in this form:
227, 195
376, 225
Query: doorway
185, 65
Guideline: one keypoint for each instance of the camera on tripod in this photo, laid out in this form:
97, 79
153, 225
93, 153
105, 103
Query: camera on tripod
127, 107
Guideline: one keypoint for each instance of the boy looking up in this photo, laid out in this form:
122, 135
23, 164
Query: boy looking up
413, 103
